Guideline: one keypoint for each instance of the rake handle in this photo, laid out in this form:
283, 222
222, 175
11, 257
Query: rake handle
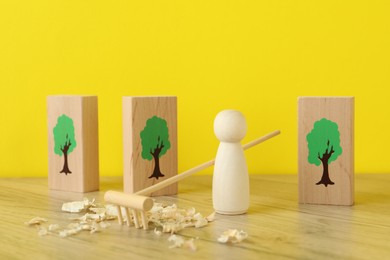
179, 177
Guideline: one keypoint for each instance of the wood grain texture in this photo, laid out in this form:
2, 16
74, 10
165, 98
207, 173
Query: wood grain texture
137, 170
340, 110
278, 227
83, 161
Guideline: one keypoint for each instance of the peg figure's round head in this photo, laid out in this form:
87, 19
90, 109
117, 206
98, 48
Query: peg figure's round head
230, 126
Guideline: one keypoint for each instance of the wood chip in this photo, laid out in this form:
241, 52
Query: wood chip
94, 220
36, 221
211, 217
173, 219
179, 241
232, 236
77, 206
157, 232
170, 219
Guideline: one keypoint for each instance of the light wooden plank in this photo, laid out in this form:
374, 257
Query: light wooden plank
73, 143
142, 169
326, 150
277, 225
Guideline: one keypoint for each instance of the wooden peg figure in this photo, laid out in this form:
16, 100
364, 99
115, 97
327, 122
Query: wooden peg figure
230, 179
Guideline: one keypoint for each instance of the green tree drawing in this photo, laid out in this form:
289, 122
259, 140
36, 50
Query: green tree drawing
155, 143
324, 147
64, 140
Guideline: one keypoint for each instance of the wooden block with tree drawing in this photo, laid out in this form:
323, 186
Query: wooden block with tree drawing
150, 143
73, 143
326, 150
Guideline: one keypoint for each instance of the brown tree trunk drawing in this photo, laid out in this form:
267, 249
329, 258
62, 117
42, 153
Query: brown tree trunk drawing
325, 164
64, 150
156, 153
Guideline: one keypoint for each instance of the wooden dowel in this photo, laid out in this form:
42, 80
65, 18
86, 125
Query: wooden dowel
260, 140
135, 217
132, 201
179, 177
144, 220
120, 219
127, 216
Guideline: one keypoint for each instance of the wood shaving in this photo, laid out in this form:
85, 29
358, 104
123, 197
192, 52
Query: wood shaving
179, 241
172, 219
36, 221
211, 217
94, 220
157, 232
200, 220
91, 217
232, 236
75, 228
78, 206
42, 232
54, 227
112, 210
104, 224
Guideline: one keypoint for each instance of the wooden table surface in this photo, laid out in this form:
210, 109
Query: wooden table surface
277, 225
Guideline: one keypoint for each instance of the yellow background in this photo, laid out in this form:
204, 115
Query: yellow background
254, 56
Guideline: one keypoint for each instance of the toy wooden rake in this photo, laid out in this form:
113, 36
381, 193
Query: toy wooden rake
138, 203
